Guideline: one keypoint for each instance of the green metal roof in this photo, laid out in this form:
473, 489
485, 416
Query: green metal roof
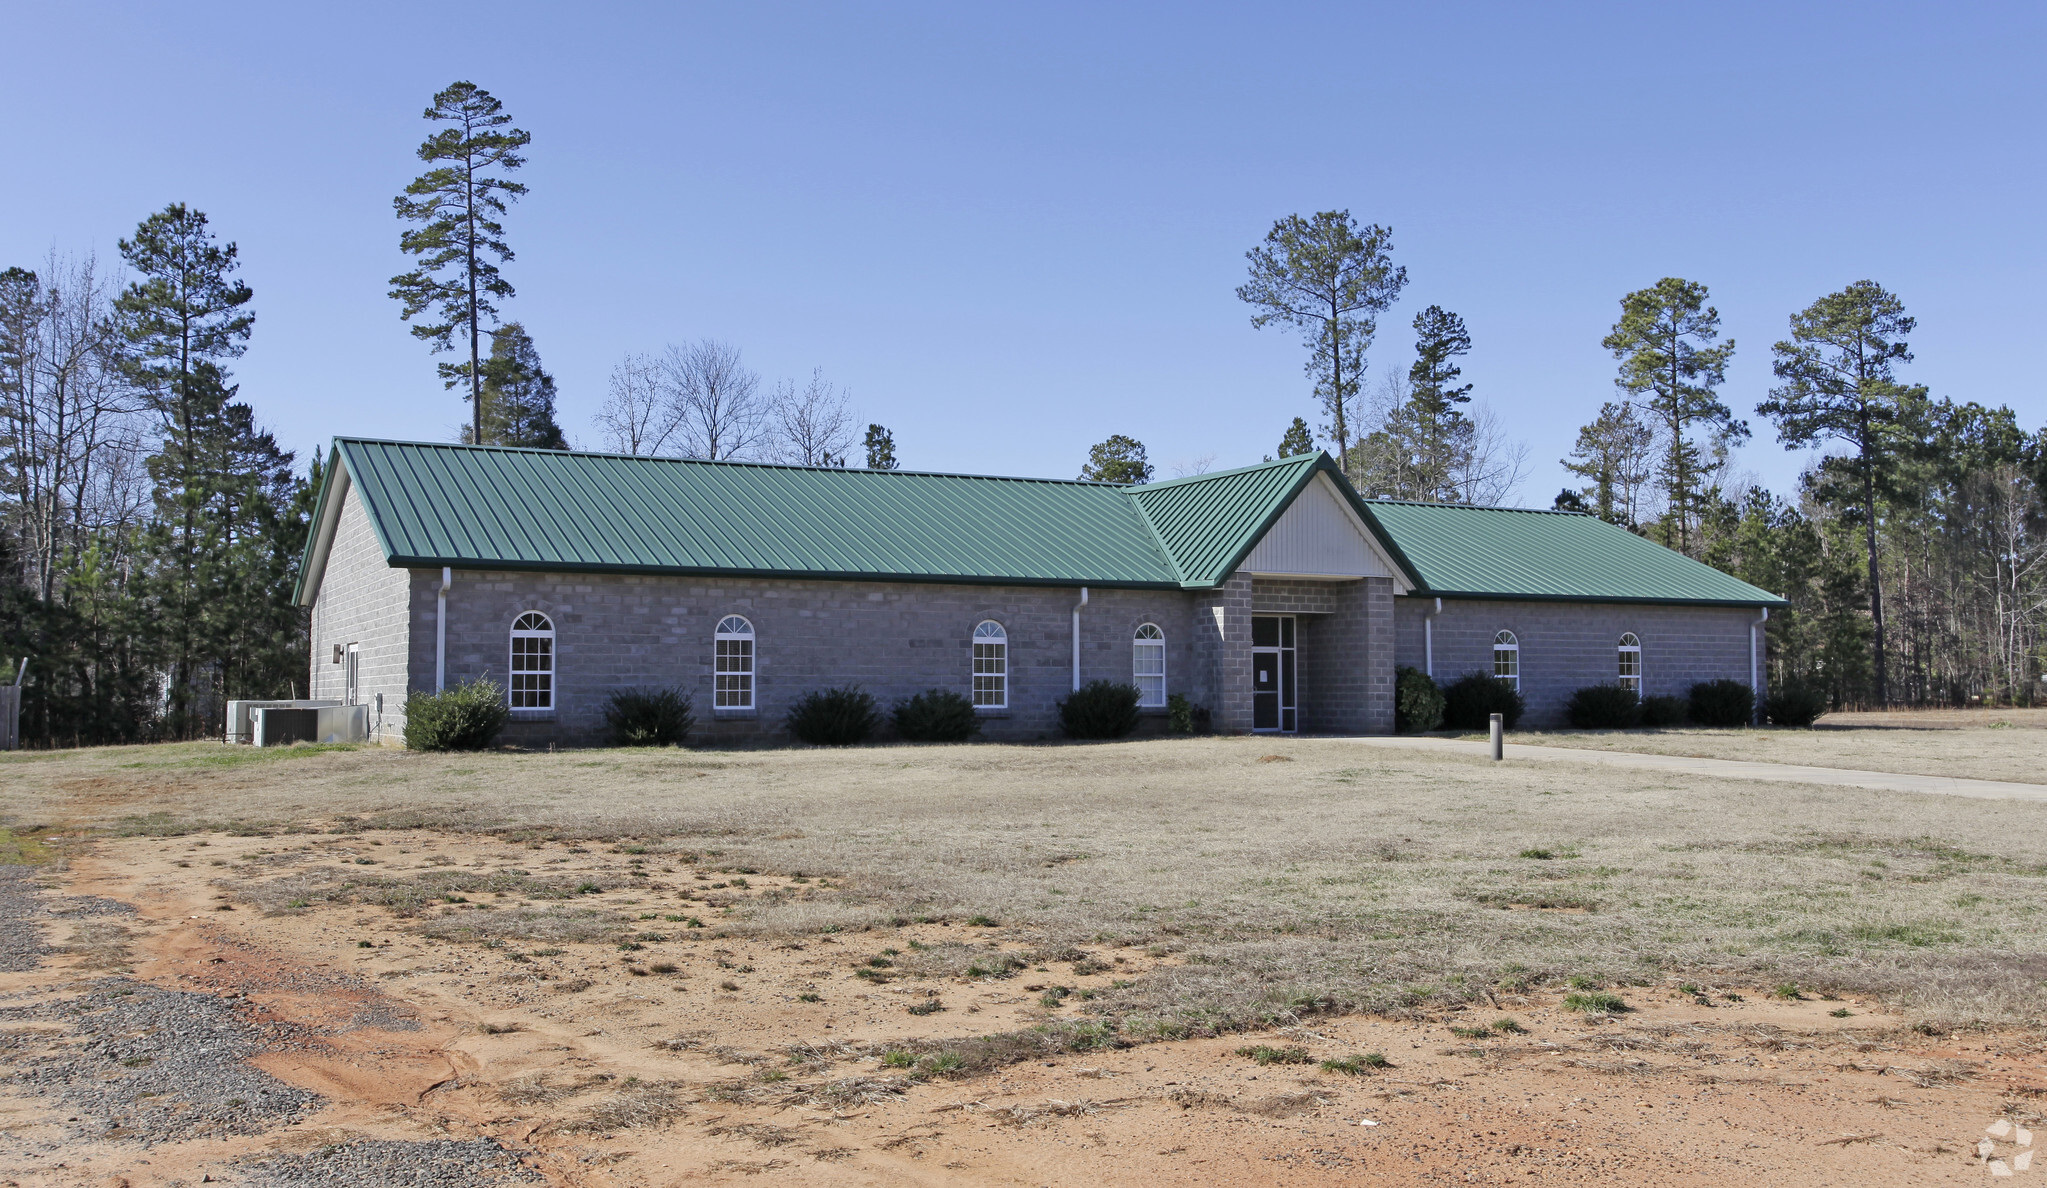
495, 508
1500, 552
488, 507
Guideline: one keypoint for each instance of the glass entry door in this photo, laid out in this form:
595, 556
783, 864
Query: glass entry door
1273, 705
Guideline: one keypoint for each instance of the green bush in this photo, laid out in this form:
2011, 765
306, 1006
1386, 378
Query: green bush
647, 717
1099, 709
1185, 717
1723, 703
1417, 702
465, 718
834, 717
936, 715
1470, 701
1663, 711
1795, 705
1604, 707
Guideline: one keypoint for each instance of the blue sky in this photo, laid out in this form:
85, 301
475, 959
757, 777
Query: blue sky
1014, 231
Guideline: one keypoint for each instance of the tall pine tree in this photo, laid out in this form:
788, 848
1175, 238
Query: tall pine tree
1440, 431
459, 241
216, 555
1329, 279
1665, 343
1838, 384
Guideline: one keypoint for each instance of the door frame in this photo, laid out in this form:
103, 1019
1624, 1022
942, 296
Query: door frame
1286, 657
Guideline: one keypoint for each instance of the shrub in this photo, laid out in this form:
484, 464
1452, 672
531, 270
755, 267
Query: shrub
1417, 702
1796, 705
1099, 709
1185, 717
647, 717
1663, 711
936, 715
833, 717
1723, 703
1604, 707
1470, 701
465, 718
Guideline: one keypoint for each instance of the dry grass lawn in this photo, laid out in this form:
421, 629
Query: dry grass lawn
2008, 744
1274, 880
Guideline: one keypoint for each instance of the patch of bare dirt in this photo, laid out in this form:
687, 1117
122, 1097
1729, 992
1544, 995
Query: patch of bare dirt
659, 1041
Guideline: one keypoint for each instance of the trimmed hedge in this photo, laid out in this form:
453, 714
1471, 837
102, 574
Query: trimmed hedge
1796, 705
648, 717
1470, 701
1664, 711
1099, 709
1723, 702
1604, 707
465, 718
1417, 702
936, 715
834, 717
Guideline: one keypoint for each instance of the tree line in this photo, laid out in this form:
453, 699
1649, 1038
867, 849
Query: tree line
1913, 548
151, 529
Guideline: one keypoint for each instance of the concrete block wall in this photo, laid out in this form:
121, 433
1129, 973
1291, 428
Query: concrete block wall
1344, 650
363, 601
1568, 645
1222, 622
893, 639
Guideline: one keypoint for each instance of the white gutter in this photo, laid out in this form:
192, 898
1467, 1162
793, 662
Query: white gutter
1429, 639
1755, 660
441, 631
1076, 638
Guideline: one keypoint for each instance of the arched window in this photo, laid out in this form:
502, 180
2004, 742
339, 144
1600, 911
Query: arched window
532, 665
1148, 665
732, 684
1631, 664
991, 666
1507, 659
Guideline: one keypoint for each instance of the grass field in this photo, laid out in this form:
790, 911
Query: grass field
1278, 877
1972, 744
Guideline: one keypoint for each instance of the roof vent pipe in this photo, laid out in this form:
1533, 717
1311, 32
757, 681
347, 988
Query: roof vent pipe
441, 631
1076, 638
1429, 639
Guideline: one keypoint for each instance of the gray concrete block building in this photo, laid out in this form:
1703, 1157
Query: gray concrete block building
1273, 595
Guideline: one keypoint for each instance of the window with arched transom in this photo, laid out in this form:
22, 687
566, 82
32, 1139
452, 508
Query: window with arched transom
732, 678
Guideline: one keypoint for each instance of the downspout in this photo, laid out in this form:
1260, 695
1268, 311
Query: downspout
1429, 639
441, 631
1076, 638
1755, 661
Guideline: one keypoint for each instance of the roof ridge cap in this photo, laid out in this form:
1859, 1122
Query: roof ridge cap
733, 462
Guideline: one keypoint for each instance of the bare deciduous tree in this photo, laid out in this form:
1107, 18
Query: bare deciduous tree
73, 435
718, 409
1493, 464
637, 417
814, 424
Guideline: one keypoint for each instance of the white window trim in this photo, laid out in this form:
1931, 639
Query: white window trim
751, 672
1512, 644
1623, 649
1138, 640
999, 636
553, 670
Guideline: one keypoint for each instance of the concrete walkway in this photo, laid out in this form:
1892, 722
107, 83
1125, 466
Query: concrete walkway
1738, 769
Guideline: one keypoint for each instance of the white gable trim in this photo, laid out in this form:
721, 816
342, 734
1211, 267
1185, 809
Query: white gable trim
1320, 536
323, 532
